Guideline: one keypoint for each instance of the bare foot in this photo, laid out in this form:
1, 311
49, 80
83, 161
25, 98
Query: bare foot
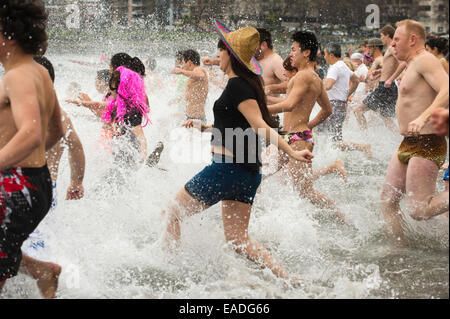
48, 280
339, 168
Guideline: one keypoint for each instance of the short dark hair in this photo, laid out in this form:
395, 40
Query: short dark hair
307, 41
265, 36
191, 55
46, 64
388, 30
25, 21
103, 75
288, 65
137, 66
438, 42
335, 49
120, 59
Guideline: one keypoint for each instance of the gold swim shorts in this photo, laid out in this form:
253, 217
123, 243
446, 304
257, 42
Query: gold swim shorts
430, 147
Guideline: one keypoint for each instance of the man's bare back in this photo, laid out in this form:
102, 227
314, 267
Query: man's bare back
15, 100
273, 70
196, 94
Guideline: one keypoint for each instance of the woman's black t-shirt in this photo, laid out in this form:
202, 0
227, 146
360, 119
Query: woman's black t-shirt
232, 130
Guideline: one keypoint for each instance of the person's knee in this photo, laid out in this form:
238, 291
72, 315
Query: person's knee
390, 197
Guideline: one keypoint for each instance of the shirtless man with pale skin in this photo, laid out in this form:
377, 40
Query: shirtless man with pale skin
197, 86
414, 167
304, 90
383, 99
30, 122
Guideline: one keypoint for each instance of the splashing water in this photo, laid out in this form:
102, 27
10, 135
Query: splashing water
109, 243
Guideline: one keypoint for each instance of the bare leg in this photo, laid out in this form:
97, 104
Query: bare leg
438, 205
236, 217
183, 204
46, 274
336, 167
2, 283
359, 114
420, 185
302, 178
365, 148
393, 190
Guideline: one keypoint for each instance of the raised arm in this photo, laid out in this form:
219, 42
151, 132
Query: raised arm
437, 78
279, 88
197, 74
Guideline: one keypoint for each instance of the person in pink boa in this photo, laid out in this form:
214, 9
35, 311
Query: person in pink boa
128, 107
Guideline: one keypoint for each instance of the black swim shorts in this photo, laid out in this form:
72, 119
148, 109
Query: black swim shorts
25, 199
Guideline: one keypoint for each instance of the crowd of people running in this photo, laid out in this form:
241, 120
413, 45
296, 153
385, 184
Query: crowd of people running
402, 76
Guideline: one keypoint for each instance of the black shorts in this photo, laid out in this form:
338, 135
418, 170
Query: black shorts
334, 123
25, 199
383, 100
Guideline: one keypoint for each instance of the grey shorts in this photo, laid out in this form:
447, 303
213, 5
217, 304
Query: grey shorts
334, 123
383, 100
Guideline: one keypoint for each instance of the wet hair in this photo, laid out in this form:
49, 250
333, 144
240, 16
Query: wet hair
25, 22
103, 75
335, 49
440, 43
307, 41
191, 55
124, 59
120, 59
137, 66
255, 81
265, 36
288, 66
46, 64
179, 56
388, 30
151, 64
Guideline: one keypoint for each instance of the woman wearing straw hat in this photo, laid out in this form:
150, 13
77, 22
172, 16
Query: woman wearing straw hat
234, 175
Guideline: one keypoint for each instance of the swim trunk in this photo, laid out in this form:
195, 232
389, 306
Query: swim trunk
203, 119
224, 181
25, 199
305, 136
383, 100
430, 147
446, 175
334, 123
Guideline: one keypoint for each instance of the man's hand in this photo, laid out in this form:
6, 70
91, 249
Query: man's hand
76, 102
75, 192
439, 120
388, 84
207, 61
303, 156
176, 71
416, 126
195, 124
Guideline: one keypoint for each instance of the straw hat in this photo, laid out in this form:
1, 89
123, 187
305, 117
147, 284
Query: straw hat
242, 44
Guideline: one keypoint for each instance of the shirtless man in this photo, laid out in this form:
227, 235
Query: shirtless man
415, 165
384, 98
30, 122
304, 90
272, 65
197, 86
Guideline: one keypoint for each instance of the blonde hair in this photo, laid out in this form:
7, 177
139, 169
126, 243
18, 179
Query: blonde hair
350, 64
413, 27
